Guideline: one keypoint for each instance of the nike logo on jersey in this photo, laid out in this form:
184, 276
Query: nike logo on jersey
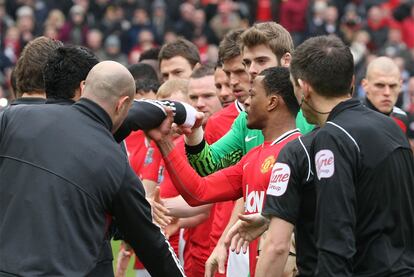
247, 138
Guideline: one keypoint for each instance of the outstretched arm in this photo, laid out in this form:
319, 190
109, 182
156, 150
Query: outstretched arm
196, 190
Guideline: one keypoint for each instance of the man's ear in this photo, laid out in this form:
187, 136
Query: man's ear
123, 103
197, 65
364, 84
81, 87
273, 102
305, 88
286, 59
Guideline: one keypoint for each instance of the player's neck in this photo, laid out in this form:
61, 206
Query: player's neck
277, 126
35, 94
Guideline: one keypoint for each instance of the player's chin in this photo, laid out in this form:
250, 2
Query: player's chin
251, 124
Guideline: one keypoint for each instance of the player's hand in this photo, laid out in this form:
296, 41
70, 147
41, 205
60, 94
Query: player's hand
124, 256
246, 229
159, 212
172, 228
163, 131
182, 130
216, 261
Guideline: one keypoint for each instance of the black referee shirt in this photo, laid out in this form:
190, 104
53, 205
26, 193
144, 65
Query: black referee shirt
364, 179
293, 199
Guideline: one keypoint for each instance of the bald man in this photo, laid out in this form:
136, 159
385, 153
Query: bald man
382, 86
63, 177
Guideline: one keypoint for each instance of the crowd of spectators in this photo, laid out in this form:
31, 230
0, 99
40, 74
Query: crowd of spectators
121, 30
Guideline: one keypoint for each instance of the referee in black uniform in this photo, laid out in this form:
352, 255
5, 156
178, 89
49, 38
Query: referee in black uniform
364, 170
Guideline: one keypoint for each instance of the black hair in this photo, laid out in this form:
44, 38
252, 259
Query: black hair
150, 54
326, 63
142, 71
145, 77
147, 85
276, 81
66, 67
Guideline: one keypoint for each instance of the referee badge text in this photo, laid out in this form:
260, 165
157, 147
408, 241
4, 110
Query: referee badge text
279, 179
324, 163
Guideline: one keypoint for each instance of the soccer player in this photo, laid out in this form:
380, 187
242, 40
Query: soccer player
65, 70
30, 88
223, 86
382, 86
263, 45
271, 97
178, 59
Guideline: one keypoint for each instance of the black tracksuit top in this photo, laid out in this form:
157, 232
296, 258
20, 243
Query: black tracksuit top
62, 177
364, 180
350, 195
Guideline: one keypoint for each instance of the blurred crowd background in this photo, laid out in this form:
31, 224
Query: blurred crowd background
121, 30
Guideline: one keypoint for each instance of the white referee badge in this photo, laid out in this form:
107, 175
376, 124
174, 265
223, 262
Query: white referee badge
279, 179
324, 163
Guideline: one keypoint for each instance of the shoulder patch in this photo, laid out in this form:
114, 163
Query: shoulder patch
279, 179
324, 163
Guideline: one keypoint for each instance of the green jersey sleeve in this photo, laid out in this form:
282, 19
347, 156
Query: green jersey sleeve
228, 150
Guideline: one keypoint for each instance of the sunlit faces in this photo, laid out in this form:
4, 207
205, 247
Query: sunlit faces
238, 77
382, 89
256, 105
202, 95
258, 58
175, 68
223, 89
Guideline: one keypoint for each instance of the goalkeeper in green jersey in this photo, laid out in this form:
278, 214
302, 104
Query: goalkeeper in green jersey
264, 45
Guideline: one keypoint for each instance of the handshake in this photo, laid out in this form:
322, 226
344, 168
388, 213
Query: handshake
149, 114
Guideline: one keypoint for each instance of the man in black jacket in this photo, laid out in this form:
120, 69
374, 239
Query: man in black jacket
364, 170
62, 179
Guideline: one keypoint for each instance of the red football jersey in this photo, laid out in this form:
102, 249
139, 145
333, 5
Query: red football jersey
138, 150
220, 122
248, 178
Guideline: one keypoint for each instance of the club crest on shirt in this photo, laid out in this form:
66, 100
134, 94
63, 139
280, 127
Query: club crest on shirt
279, 179
324, 163
267, 164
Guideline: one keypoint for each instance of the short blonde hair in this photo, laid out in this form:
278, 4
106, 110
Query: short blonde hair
171, 86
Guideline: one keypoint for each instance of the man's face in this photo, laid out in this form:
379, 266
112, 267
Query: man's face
223, 89
238, 77
258, 58
175, 68
256, 105
382, 89
203, 97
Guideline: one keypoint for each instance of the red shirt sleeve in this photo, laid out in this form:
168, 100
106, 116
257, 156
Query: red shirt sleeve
223, 185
